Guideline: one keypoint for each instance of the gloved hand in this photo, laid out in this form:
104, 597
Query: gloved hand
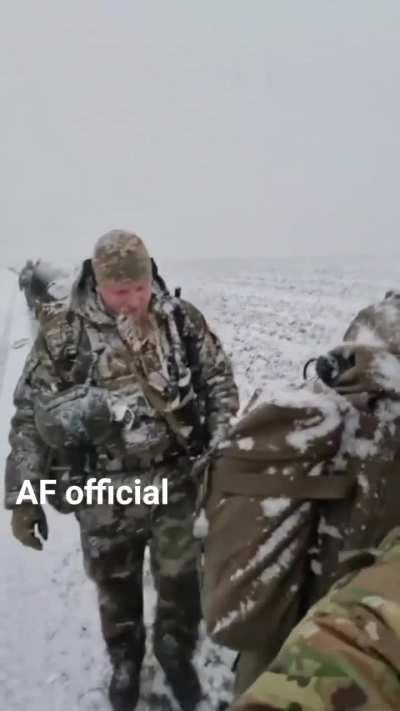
23, 521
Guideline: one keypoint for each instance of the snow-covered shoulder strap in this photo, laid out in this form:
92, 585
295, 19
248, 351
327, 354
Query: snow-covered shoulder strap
61, 330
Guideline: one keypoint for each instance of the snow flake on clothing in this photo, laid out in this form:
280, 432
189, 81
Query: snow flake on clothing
318, 427
245, 443
244, 608
274, 541
327, 530
387, 371
274, 507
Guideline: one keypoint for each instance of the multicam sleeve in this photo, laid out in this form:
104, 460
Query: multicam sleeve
215, 376
28, 457
345, 652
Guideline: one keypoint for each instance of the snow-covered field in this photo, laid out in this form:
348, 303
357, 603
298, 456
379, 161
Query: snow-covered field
272, 317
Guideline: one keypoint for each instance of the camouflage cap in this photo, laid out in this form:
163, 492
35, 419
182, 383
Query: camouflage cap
121, 256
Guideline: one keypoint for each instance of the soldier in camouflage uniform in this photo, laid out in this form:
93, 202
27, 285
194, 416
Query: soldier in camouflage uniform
125, 381
345, 654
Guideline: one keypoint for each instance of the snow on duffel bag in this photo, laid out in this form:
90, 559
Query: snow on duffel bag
262, 497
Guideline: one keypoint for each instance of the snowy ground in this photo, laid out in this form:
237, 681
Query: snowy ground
272, 316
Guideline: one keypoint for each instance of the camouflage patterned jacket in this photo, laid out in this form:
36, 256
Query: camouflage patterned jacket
80, 343
345, 654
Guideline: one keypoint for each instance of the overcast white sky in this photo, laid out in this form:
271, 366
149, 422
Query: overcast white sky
212, 128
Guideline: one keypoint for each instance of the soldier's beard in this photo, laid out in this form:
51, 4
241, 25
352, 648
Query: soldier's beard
141, 321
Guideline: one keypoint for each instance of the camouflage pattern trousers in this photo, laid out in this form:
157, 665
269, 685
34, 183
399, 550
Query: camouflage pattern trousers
114, 539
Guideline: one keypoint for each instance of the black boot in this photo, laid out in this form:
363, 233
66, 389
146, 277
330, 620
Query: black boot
126, 657
176, 633
181, 676
185, 684
123, 691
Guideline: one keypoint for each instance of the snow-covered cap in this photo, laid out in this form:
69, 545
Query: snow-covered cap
121, 256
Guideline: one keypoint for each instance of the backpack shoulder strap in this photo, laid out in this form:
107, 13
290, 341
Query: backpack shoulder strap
61, 328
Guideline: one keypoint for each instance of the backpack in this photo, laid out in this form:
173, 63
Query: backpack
260, 490
303, 492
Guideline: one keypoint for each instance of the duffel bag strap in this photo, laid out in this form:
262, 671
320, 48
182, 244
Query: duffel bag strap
277, 485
